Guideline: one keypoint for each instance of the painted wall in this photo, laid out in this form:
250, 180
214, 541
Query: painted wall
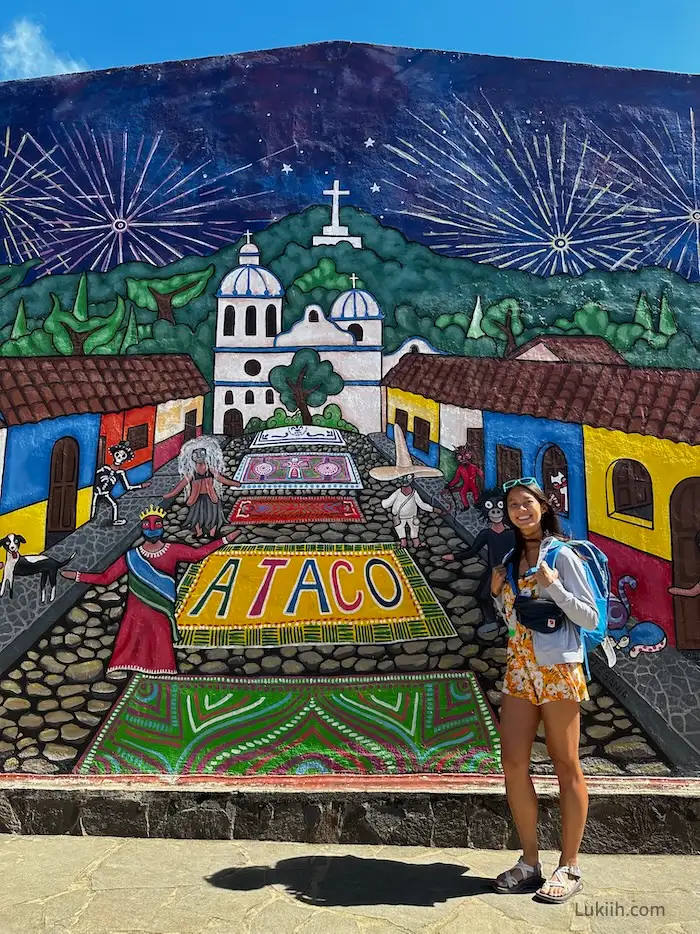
284, 183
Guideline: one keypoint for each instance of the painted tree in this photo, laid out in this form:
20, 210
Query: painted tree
642, 314
326, 276
667, 320
75, 332
19, 328
474, 332
503, 322
165, 295
306, 383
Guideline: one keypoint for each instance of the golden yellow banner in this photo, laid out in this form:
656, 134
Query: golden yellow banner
299, 593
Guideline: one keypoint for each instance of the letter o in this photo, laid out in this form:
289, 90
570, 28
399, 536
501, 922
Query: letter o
398, 589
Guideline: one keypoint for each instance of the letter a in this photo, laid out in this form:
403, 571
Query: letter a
221, 586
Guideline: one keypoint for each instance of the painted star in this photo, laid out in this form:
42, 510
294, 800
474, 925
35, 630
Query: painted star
375, 188
369, 142
286, 168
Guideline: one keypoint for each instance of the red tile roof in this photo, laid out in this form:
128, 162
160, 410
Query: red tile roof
36, 388
574, 349
662, 403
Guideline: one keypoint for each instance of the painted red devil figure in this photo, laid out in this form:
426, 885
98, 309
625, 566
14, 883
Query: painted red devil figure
466, 474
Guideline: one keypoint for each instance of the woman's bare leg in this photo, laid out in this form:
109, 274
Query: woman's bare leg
562, 727
519, 720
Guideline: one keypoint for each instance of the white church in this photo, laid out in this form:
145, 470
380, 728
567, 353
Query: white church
250, 341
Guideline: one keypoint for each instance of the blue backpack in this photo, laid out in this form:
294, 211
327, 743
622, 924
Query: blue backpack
598, 574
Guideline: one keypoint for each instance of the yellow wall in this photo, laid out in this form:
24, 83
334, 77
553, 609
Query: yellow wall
414, 405
30, 522
667, 462
170, 416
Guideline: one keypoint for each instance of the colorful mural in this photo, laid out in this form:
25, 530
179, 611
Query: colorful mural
328, 323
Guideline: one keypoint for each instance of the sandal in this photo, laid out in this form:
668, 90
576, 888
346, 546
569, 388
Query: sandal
520, 878
567, 878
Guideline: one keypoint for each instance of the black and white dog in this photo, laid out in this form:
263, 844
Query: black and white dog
18, 565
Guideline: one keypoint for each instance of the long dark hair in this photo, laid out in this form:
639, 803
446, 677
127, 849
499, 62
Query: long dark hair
551, 526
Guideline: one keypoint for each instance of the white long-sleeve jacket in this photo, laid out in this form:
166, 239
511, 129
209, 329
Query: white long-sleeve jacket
405, 507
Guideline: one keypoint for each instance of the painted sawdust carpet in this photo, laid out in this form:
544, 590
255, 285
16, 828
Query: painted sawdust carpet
269, 510
311, 435
274, 595
412, 724
319, 471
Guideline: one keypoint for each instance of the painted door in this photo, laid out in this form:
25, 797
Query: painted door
63, 491
685, 526
102, 451
421, 434
401, 419
233, 423
190, 424
509, 463
475, 442
555, 478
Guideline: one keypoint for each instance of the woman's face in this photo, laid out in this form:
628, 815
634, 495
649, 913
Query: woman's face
524, 510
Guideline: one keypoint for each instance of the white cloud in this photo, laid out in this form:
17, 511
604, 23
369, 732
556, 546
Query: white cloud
26, 53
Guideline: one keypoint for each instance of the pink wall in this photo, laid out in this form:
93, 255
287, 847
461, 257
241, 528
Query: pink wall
651, 600
166, 450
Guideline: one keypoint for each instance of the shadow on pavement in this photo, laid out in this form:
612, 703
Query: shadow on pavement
348, 880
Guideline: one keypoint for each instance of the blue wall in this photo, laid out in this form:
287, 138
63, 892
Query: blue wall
533, 436
431, 458
28, 458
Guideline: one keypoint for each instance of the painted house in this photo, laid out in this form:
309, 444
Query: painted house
617, 446
59, 417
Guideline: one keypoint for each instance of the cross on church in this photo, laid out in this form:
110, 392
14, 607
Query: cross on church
336, 194
353, 279
248, 236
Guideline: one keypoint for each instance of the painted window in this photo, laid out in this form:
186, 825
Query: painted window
401, 419
414, 348
269, 396
271, 321
191, 424
251, 321
252, 367
313, 317
137, 436
229, 321
632, 490
228, 398
250, 397
555, 478
357, 332
509, 463
421, 435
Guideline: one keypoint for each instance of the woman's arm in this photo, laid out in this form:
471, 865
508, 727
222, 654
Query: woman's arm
106, 577
225, 480
178, 489
571, 591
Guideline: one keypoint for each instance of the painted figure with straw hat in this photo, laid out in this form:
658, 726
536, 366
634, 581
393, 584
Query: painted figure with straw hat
405, 502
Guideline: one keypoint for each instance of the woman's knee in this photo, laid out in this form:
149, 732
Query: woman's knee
567, 767
514, 762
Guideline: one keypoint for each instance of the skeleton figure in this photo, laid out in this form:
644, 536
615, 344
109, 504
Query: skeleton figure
201, 466
106, 478
559, 499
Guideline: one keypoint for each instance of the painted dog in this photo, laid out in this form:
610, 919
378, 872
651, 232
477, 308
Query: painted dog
19, 565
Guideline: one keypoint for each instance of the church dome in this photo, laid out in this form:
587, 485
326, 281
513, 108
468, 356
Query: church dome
356, 303
249, 279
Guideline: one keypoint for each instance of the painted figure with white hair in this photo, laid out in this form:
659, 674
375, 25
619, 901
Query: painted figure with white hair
201, 467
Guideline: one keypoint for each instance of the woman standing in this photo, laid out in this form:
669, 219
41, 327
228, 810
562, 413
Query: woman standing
544, 679
201, 467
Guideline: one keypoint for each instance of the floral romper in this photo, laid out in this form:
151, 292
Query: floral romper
524, 677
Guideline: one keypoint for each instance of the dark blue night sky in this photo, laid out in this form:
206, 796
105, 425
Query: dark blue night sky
531, 165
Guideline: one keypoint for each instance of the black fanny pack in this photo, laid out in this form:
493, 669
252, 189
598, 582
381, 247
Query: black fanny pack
539, 615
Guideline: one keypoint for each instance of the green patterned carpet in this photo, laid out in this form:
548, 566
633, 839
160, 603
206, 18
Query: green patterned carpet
397, 725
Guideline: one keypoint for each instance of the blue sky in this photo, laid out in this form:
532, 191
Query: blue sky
45, 36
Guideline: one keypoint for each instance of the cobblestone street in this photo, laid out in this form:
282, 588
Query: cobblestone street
57, 694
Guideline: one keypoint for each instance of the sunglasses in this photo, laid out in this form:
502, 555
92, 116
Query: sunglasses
522, 481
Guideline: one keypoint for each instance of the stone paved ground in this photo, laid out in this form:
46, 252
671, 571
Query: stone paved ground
54, 698
103, 885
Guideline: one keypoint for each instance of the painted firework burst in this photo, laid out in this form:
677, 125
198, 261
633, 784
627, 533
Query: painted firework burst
124, 197
514, 194
663, 168
24, 197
